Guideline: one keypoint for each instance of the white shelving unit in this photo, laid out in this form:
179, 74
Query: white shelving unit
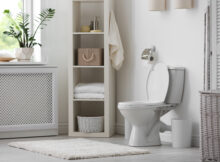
83, 12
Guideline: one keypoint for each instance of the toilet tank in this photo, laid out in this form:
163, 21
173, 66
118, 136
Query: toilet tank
176, 85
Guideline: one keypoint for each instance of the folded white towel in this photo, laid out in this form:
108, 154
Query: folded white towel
89, 95
89, 88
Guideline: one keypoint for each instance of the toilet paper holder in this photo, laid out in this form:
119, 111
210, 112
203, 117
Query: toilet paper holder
149, 54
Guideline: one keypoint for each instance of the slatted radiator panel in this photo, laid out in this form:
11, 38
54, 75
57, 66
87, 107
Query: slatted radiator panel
28, 100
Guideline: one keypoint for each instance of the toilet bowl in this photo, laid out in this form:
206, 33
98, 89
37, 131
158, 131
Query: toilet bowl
164, 92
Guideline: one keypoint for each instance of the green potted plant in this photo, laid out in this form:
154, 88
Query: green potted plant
19, 29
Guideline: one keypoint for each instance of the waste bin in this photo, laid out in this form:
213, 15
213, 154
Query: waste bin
181, 133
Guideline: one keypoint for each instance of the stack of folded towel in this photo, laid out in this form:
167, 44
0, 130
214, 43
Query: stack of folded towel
89, 91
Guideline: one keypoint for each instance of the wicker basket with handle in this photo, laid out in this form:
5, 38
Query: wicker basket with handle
210, 126
90, 56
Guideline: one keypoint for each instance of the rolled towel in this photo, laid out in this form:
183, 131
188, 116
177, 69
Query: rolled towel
89, 95
89, 88
6, 54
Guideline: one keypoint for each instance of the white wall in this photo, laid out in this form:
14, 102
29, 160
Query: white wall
56, 39
178, 37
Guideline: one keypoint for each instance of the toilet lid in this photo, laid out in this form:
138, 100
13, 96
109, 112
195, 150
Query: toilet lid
158, 83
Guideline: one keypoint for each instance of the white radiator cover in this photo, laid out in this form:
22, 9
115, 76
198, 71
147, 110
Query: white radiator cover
28, 101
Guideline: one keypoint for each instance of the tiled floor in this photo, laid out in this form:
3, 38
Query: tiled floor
163, 153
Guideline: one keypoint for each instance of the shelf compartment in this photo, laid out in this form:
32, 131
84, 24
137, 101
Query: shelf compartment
87, 108
85, 11
88, 75
88, 100
88, 41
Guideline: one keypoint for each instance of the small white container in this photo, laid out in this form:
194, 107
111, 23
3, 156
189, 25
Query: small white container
181, 133
90, 124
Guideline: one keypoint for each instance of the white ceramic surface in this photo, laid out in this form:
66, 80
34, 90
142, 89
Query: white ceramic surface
146, 125
144, 117
127, 128
24, 53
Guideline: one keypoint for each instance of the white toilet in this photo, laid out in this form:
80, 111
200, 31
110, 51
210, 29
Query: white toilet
164, 90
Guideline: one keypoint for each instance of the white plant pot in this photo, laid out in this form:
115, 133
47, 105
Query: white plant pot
24, 53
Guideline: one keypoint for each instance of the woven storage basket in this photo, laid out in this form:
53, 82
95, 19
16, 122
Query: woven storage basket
90, 56
90, 124
210, 126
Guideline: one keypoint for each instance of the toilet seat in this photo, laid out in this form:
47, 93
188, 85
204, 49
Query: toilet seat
143, 105
157, 88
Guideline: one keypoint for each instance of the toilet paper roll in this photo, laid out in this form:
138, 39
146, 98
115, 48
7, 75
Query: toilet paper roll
6, 54
152, 58
149, 59
149, 56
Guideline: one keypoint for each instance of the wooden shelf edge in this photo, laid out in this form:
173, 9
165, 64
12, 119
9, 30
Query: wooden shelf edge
88, 100
94, 135
87, 67
88, 0
88, 33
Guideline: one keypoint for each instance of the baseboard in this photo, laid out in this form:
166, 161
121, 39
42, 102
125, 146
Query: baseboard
120, 129
195, 141
63, 128
28, 133
165, 137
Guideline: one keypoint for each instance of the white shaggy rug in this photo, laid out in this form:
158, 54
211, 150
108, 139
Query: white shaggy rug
74, 149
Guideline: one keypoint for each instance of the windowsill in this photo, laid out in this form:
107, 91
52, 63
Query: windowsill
15, 62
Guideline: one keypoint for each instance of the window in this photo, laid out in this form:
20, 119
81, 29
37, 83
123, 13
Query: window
33, 8
7, 43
